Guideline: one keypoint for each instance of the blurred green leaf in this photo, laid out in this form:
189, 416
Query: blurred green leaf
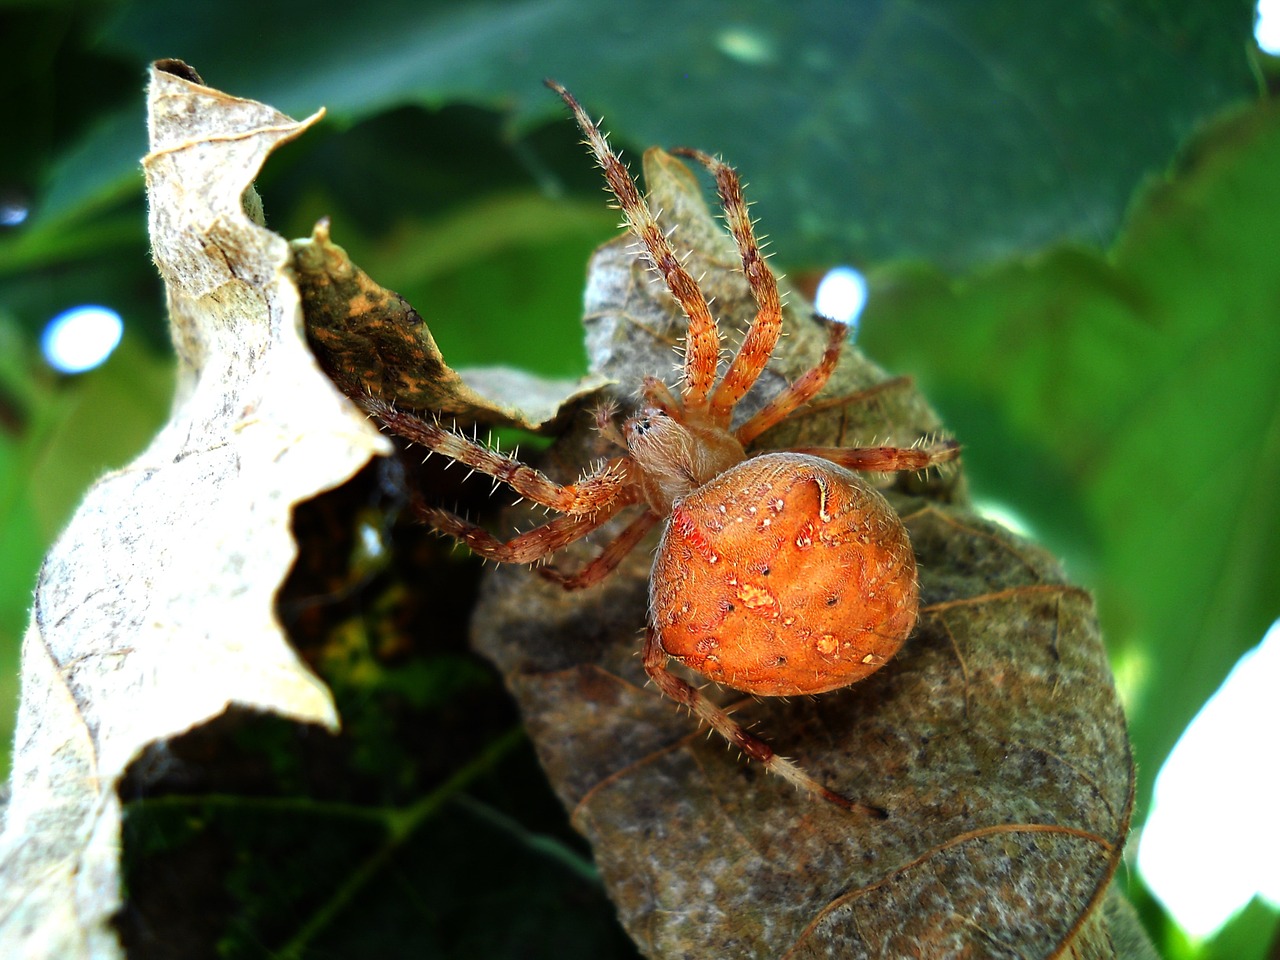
94, 423
357, 880
61, 434
49, 111
1243, 938
1136, 398
958, 132
1250, 935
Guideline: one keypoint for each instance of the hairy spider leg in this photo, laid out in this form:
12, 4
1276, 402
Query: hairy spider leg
658, 394
655, 665
804, 389
607, 426
528, 547
597, 491
858, 396
608, 559
886, 459
762, 336
702, 339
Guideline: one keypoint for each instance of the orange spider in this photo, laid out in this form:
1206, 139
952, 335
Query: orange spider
777, 573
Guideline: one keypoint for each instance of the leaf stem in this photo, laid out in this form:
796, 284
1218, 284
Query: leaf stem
400, 824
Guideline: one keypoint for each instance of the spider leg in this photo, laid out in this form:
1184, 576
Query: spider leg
607, 426
658, 394
528, 547
858, 396
702, 342
886, 459
586, 497
762, 336
799, 393
609, 557
655, 665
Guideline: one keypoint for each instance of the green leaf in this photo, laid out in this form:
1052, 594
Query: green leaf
874, 129
1133, 401
350, 879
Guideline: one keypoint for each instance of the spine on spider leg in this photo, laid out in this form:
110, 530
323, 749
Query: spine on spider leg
886, 459
440, 439
606, 416
608, 559
532, 546
655, 665
762, 336
799, 393
657, 394
587, 497
702, 342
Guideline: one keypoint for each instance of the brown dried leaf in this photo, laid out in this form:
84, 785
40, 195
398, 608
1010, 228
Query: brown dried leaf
995, 739
370, 341
154, 611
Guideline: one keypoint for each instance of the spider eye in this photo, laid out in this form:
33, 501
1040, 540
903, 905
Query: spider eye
644, 422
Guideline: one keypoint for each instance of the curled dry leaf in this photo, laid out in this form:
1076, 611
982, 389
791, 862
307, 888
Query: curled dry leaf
154, 611
994, 740
370, 341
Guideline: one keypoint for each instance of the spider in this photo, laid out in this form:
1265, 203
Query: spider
777, 573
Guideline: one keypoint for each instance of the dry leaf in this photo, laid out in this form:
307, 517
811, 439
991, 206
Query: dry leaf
994, 740
154, 610
371, 342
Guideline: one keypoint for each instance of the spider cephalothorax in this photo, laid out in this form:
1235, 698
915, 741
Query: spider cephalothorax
777, 573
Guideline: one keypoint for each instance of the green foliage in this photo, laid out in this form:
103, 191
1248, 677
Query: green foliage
338, 872
1120, 394
1138, 391
875, 128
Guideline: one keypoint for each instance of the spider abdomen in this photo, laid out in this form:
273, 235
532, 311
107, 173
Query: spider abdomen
786, 574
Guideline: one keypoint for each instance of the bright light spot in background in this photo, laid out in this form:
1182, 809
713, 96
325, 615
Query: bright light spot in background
842, 294
371, 543
1006, 516
1212, 841
81, 338
12, 213
746, 46
1267, 28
